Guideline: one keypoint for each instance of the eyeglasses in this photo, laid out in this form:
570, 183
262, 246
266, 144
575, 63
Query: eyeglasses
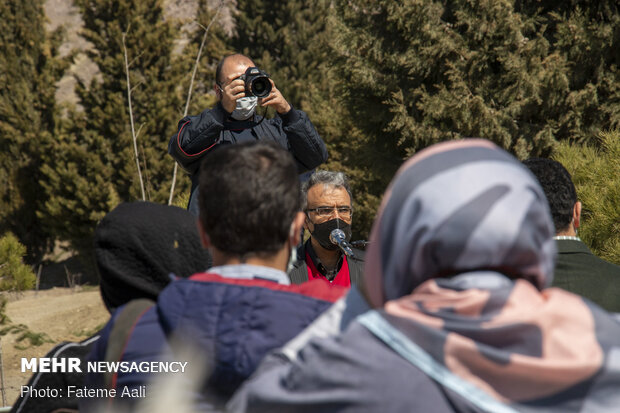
326, 211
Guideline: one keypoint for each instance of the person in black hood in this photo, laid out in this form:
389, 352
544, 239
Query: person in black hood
139, 248
327, 203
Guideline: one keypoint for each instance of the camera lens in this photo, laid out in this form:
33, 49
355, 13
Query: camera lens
261, 86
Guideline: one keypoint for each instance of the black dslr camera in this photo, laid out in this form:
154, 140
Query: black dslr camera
256, 82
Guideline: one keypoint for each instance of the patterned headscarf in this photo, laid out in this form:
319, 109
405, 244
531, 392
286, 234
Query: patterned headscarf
456, 207
460, 259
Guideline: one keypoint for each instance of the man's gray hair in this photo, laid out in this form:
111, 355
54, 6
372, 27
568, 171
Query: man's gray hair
329, 179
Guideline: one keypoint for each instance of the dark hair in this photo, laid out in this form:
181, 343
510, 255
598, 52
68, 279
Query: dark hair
558, 187
218, 69
249, 194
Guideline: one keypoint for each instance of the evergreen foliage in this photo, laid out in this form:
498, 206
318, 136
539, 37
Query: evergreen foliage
523, 74
93, 165
516, 73
595, 171
28, 73
14, 274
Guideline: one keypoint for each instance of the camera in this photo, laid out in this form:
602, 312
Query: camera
256, 82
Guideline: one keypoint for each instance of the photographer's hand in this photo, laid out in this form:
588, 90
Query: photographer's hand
276, 100
234, 88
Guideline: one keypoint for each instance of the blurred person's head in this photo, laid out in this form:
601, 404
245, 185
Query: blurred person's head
328, 204
140, 246
459, 207
560, 191
250, 204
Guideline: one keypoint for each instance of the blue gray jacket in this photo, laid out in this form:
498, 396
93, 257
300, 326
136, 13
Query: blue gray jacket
235, 322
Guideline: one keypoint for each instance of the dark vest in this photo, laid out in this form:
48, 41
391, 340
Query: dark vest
299, 273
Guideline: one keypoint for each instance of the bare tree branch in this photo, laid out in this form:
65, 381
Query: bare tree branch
191, 87
144, 158
147, 185
139, 129
133, 130
139, 84
135, 58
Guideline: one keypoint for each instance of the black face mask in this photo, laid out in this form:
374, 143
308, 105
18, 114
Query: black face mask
323, 230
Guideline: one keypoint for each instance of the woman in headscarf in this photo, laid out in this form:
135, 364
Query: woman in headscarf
457, 271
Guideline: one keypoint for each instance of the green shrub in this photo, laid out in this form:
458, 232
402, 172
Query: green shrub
26, 338
4, 319
182, 199
14, 274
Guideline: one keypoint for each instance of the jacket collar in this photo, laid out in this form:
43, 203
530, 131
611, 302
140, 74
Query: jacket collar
248, 271
571, 246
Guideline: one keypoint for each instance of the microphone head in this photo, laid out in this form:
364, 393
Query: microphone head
337, 236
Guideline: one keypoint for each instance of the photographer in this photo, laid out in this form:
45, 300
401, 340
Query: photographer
240, 87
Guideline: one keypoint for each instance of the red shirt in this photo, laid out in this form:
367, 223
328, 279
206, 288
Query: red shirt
342, 278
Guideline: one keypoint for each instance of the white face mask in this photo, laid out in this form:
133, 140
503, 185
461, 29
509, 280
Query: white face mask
245, 108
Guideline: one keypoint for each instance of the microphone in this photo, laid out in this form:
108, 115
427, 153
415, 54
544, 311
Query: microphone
337, 237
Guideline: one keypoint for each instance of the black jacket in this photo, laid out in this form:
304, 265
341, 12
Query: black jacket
196, 135
299, 273
579, 271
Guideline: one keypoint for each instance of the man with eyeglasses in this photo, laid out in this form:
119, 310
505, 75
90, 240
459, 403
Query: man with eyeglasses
327, 203
233, 120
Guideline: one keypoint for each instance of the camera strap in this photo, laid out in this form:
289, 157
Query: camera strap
262, 117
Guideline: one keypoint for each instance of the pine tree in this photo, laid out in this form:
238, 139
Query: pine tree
522, 74
585, 35
93, 166
514, 72
28, 73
